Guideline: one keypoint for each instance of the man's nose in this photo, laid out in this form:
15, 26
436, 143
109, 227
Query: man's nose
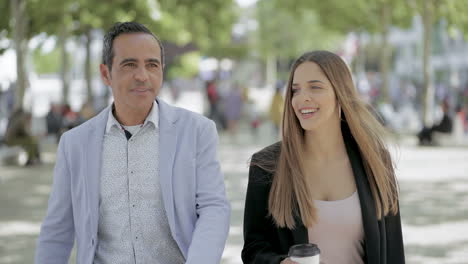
140, 74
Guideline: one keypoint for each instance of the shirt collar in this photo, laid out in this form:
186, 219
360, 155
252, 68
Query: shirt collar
153, 117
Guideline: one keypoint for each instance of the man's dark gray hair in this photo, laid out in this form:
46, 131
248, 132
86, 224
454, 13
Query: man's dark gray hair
124, 28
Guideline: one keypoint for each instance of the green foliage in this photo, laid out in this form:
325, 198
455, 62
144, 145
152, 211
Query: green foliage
46, 63
5, 17
456, 12
185, 66
206, 23
351, 15
288, 34
231, 50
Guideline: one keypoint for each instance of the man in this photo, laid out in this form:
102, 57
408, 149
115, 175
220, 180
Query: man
140, 182
18, 133
444, 126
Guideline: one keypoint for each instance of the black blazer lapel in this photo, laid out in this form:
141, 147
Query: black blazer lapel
383, 241
299, 233
371, 225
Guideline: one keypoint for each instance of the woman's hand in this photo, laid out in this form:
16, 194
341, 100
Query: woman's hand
288, 261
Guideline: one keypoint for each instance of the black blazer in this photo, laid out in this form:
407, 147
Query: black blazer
266, 243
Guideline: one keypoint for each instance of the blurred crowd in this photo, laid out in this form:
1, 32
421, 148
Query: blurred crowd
233, 106
59, 119
228, 106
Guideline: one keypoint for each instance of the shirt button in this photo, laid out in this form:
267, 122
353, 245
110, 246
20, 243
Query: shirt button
133, 205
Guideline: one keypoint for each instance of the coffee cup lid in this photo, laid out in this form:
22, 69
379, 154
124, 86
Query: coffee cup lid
304, 250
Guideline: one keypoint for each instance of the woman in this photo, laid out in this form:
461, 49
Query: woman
330, 181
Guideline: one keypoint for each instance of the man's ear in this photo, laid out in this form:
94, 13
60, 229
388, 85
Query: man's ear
105, 74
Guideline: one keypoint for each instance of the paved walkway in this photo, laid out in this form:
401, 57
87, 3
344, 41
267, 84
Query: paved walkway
434, 201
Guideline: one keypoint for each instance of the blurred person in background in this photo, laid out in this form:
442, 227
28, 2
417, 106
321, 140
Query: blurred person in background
252, 113
69, 118
214, 102
86, 112
54, 119
233, 103
444, 126
276, 108
330, 181
3, 114
140, 182
464, 114
18, 133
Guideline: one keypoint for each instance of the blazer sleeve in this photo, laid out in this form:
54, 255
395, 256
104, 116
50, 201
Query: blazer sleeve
212, 206
395, 248
57, 234
258, 226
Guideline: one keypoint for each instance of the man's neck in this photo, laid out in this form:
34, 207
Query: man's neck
130, 116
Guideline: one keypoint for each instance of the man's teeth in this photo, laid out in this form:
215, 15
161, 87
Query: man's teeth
308, 111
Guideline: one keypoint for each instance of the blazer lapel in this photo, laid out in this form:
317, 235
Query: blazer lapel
167, 148
93, 147
369, 217
299, 233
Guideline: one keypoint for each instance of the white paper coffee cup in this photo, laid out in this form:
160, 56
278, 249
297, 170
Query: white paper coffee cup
305, 254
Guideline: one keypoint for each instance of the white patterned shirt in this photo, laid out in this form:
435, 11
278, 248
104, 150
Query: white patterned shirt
133, 226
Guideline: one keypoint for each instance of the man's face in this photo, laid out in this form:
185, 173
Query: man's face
137, 73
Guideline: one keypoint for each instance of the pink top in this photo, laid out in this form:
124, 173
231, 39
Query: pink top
339, 231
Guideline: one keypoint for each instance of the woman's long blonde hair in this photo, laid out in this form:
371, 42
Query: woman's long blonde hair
289, 194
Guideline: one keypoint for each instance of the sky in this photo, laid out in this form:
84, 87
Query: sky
245, 3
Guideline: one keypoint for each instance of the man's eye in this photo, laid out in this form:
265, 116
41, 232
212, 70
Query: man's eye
131, 65
153, 65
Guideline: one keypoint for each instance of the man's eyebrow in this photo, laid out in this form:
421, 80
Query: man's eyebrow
127, 60
154, 60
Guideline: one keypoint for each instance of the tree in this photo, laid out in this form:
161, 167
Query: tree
85, 16
26, 19
4, 21
20, 23
373, 16
432, 11
205, 23
288, 35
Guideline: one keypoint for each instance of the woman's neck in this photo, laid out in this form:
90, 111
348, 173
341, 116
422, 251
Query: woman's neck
324, 145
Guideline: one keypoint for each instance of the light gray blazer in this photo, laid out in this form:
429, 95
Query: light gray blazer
192, 187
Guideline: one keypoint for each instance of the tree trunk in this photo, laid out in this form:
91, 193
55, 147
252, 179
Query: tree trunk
360, 65
65, 67
19, 15
271, 70
428, 93
88, 71
385, 55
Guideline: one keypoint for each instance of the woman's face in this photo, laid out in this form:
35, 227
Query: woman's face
313, 97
